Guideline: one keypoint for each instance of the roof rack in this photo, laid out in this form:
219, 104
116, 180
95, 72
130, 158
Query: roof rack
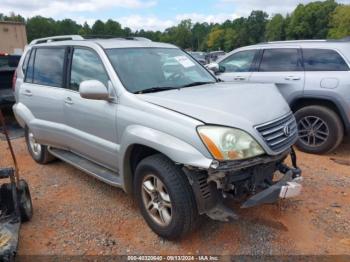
56, 38
78, 37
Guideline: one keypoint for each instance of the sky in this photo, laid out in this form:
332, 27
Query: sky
148, 14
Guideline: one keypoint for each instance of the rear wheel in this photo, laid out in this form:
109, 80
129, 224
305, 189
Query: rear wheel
320, 129
38, 152
165, 197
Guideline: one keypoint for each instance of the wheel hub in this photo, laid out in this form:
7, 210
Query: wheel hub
35, 147
156, 200
313, 131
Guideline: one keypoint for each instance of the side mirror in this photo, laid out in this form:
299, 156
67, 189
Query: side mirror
93, 89
213, 67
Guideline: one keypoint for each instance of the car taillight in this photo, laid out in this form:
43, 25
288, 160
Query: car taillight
14, 79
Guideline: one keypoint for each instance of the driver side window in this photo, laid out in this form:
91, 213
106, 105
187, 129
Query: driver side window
238, 62
86, 65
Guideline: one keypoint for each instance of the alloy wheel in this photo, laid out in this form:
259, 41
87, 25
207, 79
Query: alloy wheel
156, 200
313, 131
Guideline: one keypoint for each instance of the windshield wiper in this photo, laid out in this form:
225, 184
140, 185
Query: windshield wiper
197, 84
154, 89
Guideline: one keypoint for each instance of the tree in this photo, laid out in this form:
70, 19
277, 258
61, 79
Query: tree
230, 39
98, 28
113, 28
38, 27
199, 33
85, 30
67, 27
256, 24
275, 28
340, 22
216, 39
311, 21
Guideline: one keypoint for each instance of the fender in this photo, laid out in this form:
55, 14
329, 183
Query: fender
174, 148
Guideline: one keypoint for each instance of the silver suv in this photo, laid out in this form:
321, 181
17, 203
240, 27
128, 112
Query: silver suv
146, 117
314, 78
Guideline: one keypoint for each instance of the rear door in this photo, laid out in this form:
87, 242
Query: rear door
91, 124
42, 94
283, 67
238, 66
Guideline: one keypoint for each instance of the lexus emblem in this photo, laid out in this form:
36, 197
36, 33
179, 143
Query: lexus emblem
286, 130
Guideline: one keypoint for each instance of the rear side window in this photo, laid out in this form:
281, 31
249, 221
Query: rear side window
25, 62
48, 66
323, 60
45, 67
30, 68
280, 60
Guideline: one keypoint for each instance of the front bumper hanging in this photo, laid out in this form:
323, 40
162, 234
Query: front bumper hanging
287, 187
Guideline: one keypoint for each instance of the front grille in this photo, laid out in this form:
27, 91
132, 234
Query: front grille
279, 134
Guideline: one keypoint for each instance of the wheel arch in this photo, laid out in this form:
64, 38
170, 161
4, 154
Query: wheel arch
329, 103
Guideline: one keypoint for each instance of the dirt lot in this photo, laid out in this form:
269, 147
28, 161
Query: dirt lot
76, 214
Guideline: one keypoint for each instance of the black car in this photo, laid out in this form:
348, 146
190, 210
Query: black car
8, 65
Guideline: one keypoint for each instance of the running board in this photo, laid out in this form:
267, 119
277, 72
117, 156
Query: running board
104, 174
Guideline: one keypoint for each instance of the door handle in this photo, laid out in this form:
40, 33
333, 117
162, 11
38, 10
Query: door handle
27, 92
68, 101
292, 78
241, 78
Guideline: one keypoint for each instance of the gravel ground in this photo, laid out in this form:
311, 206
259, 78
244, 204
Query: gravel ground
76, 214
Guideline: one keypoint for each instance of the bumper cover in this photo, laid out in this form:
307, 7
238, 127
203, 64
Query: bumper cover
288, 186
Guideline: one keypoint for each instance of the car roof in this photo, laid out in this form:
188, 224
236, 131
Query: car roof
301, 43
104, 43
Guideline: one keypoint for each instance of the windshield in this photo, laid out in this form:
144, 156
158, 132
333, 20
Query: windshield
154, 68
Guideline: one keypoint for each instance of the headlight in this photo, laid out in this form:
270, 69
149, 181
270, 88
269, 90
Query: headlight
229, 143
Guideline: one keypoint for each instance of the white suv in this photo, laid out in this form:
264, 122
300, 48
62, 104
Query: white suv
314, 78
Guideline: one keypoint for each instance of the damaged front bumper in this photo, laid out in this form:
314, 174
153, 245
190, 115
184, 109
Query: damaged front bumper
287, 187
254, 178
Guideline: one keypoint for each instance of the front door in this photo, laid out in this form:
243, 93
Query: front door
91, 124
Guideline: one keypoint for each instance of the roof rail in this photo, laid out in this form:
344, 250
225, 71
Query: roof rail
56, 38
117, 37
295, 41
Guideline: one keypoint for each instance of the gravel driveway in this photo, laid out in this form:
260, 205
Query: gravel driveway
75, 214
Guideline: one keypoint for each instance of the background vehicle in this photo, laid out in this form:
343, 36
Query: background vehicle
148, 118
215, 55
201, 57
8, 65
313, 76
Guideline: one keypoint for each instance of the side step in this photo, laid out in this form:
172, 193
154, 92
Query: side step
104, 174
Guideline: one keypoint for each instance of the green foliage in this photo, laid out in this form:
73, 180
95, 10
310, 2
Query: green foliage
314, 20
340, 22
275, 28
311, 21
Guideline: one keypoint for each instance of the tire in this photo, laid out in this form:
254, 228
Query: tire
41, 156
24, 201
325, 135
176, 189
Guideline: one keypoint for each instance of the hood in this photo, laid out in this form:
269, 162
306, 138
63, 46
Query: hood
227, 104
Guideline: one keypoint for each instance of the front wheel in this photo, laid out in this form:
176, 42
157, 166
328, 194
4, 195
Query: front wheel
165, 197
320, 129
